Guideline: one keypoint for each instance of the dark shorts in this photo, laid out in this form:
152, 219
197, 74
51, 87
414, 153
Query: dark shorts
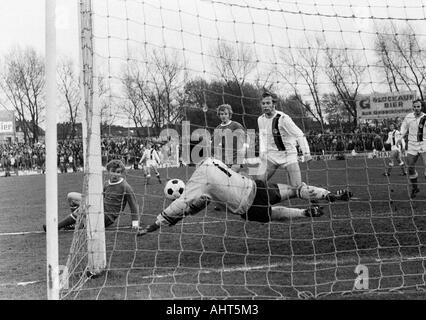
266, 195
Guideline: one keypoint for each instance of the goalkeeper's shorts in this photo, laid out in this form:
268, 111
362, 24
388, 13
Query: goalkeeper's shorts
267, 194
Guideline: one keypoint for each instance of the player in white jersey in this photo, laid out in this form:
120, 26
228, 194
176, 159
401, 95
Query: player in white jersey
150, 160
252, 200
413, 126
397, 148
278, 138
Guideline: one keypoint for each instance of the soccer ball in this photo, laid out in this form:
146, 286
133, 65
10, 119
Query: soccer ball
174, 189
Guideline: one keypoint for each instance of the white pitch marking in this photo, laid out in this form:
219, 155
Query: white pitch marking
246, 268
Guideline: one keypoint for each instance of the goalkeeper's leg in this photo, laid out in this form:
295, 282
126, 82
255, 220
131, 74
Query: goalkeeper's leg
312, 193
280, 213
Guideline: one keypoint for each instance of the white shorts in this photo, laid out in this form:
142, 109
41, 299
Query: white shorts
280, 158
395, 156
416, 147
151, 163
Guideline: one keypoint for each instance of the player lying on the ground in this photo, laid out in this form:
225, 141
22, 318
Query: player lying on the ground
251, 199
117, 194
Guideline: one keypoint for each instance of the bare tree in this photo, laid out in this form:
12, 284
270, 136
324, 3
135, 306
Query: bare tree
22, 82
345, 74
233, 64
153, 89
402, 59
68, 86
133, 86
303, 63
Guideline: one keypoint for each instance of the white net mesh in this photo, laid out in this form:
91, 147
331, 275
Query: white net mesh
160, 63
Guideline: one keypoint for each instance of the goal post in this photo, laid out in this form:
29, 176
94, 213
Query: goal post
92, 198
52, 253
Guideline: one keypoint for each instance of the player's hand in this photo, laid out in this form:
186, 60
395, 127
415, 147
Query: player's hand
147, 229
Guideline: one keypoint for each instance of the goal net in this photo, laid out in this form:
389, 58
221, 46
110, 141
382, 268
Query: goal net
341, 70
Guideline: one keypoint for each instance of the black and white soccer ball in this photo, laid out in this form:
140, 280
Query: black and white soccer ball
174, 189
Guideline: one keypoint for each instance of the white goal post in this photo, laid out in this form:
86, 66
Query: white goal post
93, 183
52, 254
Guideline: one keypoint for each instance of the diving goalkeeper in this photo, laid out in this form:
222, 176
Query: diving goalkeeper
250, 199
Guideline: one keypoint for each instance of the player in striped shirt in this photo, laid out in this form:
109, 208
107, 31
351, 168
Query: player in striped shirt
249, 199
117, 194
278, 138
397, 148
150, 160
413, 126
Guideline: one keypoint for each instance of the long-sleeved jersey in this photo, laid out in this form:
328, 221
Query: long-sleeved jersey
116, 196
414, 126
228, 151
213, 179
280, 133
395, 140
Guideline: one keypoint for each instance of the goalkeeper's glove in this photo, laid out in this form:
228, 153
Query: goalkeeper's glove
149, 228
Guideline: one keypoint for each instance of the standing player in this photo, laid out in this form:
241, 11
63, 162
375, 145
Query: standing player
151, 159
250, 199
413, 125
117, 194
278, 138
233, 130
397, 148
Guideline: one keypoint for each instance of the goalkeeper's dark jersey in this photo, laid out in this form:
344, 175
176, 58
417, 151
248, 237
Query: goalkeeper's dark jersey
117, 196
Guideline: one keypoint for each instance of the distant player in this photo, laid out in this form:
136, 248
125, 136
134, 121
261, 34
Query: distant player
250, 199
236, 149
413, 125
150, 160
117, 194
278, 138
397, 148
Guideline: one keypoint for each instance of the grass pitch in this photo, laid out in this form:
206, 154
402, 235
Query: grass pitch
215, 254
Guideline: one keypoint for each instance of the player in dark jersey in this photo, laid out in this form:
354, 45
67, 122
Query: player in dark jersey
229, 139
117, 194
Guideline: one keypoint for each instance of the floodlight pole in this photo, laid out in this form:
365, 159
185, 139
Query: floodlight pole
52, 255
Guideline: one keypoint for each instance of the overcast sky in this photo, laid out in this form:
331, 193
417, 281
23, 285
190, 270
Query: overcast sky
177, 24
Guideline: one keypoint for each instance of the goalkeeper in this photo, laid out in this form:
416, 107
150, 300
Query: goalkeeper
117, 193
250, 199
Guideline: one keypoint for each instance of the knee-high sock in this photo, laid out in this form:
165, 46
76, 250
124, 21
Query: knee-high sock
280, 213
312, 192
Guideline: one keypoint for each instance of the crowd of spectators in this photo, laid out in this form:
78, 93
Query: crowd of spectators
15, 157
367, 137
24, 156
